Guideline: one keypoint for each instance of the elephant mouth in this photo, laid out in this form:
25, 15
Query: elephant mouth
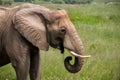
54, 45
58, 45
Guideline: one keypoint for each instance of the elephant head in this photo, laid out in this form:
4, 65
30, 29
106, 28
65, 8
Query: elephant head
43, 27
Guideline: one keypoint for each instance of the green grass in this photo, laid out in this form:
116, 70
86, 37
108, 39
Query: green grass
99, 28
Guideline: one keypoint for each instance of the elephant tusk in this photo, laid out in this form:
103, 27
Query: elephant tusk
80, 56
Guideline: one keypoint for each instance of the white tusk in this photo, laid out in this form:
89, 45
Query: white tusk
80, 56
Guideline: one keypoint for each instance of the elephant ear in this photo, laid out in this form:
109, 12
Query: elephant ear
31, 24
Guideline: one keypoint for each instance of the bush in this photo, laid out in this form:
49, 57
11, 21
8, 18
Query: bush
47, 0
6, 2
58, 1
77, 1
41, 2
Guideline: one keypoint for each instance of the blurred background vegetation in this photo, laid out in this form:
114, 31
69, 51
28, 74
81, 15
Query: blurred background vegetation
10, 2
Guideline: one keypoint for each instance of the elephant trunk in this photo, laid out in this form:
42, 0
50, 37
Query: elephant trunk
77, 51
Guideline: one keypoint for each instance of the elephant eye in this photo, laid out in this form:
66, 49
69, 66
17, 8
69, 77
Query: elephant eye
63, 30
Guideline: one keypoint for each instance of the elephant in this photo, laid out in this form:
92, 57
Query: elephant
28, 28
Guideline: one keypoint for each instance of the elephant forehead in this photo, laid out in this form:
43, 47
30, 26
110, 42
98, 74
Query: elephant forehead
60, 14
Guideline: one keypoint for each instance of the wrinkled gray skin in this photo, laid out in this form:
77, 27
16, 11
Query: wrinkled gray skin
28, 28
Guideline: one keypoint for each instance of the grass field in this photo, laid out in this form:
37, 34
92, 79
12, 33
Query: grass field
99, 28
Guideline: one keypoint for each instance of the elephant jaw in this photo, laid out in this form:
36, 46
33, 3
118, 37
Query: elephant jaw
79, 56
